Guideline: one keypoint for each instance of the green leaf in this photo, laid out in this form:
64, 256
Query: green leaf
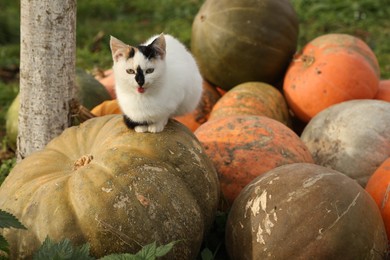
61, 251
164, 249
148, 252
8, 220
4, 246
121, 257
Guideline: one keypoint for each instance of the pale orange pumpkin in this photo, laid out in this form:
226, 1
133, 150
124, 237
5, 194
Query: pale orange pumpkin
252, 98
330, 69
379, 187
384, 90
107, 107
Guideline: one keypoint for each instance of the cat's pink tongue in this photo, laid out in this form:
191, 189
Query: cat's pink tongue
141, 90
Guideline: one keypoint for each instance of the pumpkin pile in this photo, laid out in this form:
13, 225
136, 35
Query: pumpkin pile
294, 146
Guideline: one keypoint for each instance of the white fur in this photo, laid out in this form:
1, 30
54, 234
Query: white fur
174, 88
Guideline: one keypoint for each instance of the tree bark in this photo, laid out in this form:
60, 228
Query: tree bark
47, 71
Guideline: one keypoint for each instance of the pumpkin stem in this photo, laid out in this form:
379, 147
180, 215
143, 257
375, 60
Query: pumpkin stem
82, 161
308, 60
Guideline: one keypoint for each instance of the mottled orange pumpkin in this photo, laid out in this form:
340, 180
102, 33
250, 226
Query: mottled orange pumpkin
384, 90
330, 69
379, 187
252, 98
244, 147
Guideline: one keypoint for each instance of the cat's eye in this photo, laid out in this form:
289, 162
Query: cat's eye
130, 71
148, 71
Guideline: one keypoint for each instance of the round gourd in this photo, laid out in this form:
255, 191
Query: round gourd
378, 186
352, 137
305, 211
243, 147
236, 41
252, 98
91, 92
108, 81
330, 69
114, 188
383, 90
11, 123
107, 107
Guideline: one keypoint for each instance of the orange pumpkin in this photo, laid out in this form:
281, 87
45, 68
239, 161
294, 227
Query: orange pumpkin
201, 114
244, 147
330, 69
379, 187
252, 98
107, 107
384, 90
108, 81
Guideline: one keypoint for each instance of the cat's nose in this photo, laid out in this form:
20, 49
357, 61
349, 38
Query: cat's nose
140, 80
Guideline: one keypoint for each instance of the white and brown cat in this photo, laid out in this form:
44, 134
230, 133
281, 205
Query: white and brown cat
154, 81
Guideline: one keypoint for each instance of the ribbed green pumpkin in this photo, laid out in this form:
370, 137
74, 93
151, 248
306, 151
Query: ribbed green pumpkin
114, 188
236, 41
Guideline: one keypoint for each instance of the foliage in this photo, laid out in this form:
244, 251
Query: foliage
62, 250
5, 168
214, 245
148, 252
7, 220
65, 250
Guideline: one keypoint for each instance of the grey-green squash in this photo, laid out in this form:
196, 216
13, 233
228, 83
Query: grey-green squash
236, 41
116, 189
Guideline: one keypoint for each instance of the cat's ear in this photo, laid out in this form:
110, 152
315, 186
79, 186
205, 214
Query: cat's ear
119, 49
159, 45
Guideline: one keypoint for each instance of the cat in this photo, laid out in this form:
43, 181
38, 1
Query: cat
154, 81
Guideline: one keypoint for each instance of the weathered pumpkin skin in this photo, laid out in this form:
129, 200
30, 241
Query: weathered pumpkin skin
236, 41
305, 211
330, 69
244, 147
252, 98
352, 137
378, 186
138, 188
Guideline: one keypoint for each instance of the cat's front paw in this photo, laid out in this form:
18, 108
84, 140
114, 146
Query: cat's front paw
141, 128
157, 127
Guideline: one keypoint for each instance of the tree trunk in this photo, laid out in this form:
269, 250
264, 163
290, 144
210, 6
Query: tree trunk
47, 71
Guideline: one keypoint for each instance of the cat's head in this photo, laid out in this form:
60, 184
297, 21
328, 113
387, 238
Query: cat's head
141, 66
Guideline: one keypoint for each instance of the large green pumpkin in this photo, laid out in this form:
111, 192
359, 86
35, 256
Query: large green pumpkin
236, 41
305, 211
114, 188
